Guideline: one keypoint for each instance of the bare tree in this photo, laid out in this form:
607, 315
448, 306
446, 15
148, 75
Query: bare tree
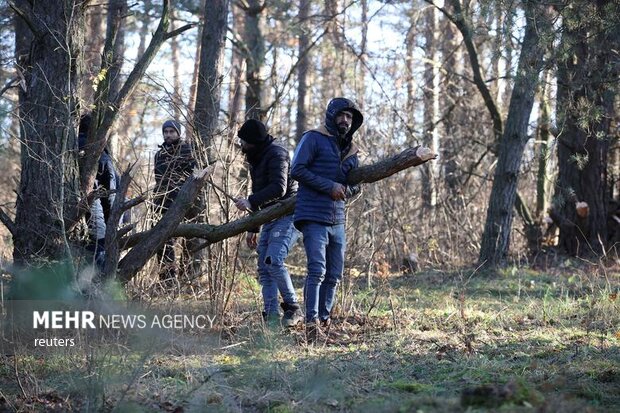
584, 112
254, 45
207, 108
431, 106
301, 121
536, 43
50, 173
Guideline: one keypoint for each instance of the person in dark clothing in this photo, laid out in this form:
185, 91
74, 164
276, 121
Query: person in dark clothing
99, 212
174, 163
321, 163
269, 170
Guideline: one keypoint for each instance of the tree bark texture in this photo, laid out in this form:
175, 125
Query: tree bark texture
451, 86
236, 92
117, 11
301, 121
585, 108
255, 59
496, 236
431, 107
49, 182
207, 108
544, 142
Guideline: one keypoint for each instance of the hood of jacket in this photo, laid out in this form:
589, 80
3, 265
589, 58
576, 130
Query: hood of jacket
336, 106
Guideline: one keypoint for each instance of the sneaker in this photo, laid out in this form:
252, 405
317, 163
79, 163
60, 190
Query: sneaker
292, 314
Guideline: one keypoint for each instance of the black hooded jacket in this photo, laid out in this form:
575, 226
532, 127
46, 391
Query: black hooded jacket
270, 173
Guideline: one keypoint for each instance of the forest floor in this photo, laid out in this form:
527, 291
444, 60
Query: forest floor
516, 340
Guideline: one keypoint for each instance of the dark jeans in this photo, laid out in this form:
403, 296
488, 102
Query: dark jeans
325, 247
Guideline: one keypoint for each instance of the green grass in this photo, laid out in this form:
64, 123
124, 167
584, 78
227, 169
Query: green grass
516, 340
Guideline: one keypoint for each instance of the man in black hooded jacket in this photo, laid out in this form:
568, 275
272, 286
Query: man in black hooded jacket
269, 169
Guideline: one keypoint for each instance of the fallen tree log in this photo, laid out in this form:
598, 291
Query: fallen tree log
137, 257
215, 233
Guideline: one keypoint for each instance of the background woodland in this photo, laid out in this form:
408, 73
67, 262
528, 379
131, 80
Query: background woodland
518, 98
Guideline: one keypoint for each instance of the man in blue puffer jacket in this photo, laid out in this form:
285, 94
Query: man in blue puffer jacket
322, 161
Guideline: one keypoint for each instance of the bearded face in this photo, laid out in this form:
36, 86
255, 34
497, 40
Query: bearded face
343, 121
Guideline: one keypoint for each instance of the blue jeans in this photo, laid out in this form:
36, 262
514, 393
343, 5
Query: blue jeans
276, 239
325, 247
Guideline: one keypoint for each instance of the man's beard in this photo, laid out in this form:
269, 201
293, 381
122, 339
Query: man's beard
343, 128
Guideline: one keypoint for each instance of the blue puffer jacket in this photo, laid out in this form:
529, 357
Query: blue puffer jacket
318, 163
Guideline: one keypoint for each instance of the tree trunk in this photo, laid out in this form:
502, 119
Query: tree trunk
544, 138
207, 108
585, 107
301, 122
255, 59
331, 67
93, 44
496, 237
410, 70
49, 183
177, 100
431, 107
360, 80
193, 90
117, 10
116, 28
144, 27
497, 49
236, 91
451, 87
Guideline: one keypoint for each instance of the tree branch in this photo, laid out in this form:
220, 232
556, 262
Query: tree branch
111, 233
458, 18
10, 84
8, 222
148, 246
179, 30
28, 18
133, 202
212, 234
